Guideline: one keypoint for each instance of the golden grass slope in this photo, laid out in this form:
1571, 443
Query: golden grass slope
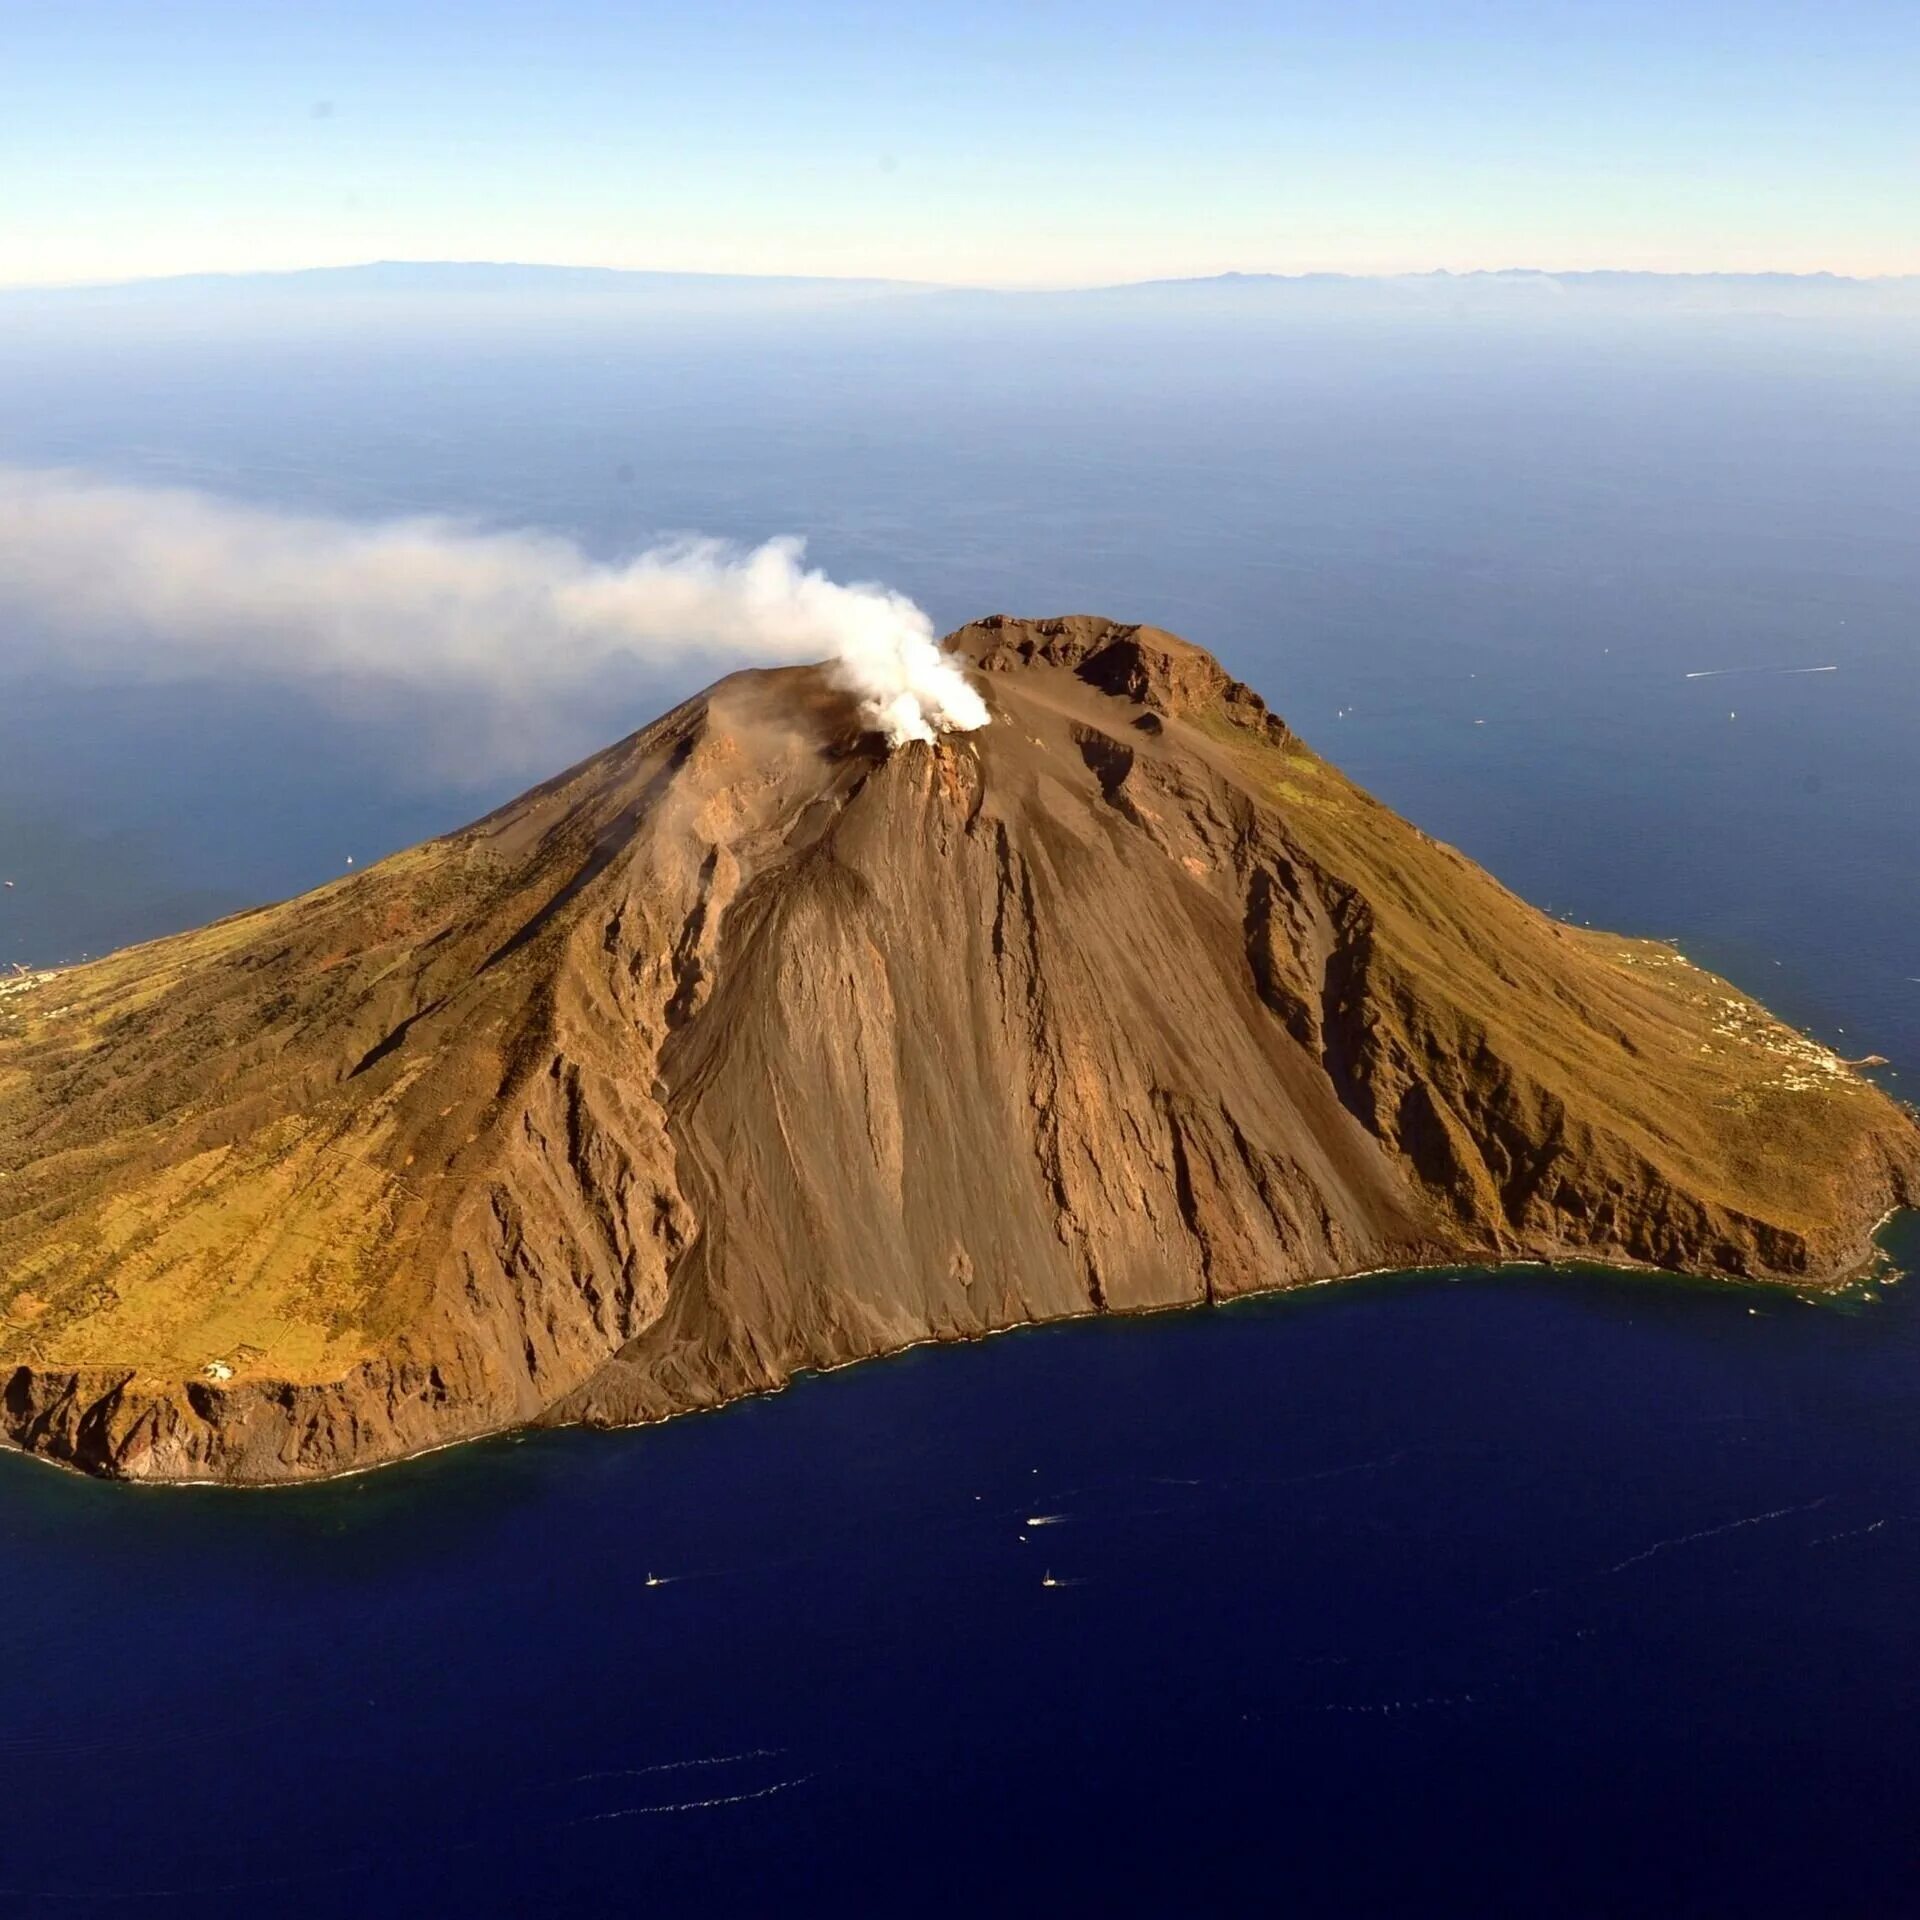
1736, 1105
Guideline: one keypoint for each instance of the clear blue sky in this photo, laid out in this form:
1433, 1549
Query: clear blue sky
1009, 141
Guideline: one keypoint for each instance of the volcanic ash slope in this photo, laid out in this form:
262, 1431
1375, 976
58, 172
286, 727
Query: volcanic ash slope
748, 1046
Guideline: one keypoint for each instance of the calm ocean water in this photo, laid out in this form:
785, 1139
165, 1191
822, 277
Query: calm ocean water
1528, 1593
1518, 1593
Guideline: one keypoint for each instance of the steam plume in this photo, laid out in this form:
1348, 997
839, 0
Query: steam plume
153, 579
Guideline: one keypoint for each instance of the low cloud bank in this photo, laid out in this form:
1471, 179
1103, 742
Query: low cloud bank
155, 581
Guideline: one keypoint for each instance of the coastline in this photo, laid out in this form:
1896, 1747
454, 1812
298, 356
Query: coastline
1878, 1266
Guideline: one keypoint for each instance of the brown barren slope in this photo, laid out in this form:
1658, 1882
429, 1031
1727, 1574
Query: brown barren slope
747, 1047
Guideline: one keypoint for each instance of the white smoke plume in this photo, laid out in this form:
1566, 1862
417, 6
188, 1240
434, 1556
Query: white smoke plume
152, 580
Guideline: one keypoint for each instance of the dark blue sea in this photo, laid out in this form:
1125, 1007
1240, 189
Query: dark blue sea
1452, 1594
1461, 1593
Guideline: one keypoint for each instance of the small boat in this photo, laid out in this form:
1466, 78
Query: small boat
1047, 1580
654, 1580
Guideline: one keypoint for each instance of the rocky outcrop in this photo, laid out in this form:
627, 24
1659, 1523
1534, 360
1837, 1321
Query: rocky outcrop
748, 1047
1156, 670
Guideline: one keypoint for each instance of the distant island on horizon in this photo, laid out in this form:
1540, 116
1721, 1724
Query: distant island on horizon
1600, 287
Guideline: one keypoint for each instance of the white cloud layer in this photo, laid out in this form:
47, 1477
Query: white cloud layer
153, 581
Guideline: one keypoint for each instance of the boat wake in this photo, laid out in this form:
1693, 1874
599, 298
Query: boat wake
1721, 673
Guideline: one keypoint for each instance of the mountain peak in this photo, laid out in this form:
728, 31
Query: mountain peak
1147, 665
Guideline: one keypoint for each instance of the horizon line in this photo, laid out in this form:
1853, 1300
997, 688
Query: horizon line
1816, 275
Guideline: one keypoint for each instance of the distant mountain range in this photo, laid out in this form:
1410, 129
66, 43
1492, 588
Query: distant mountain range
1509, 290
1527, 287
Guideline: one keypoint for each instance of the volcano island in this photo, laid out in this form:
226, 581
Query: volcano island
750, 1046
